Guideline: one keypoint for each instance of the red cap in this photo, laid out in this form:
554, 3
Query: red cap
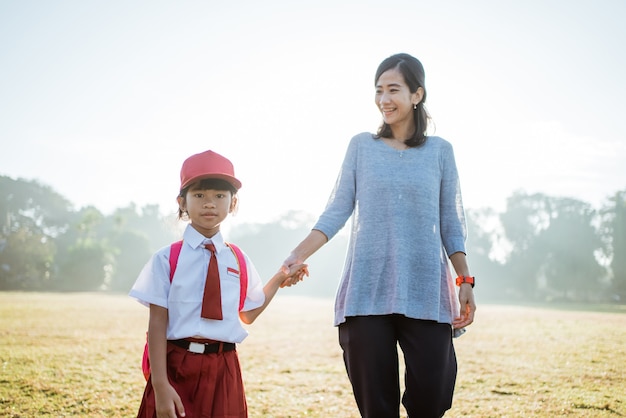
207, 165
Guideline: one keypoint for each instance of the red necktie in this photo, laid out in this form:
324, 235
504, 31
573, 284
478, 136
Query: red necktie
212, 300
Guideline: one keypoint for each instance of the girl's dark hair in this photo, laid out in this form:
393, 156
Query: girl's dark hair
413, 72
206, 184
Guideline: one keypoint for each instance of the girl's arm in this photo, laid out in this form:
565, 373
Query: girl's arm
166, 399
466, 292
270, 289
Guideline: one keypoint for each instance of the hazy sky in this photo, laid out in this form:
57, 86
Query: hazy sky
104, 100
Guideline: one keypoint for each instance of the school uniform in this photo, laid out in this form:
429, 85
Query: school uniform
210, 385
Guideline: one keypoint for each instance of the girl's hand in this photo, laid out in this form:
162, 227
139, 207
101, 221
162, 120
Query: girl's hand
168, 403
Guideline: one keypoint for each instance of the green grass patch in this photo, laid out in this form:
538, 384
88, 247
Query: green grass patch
69, 355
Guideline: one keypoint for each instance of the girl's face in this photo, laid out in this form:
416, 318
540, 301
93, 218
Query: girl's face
207, 208
395, 100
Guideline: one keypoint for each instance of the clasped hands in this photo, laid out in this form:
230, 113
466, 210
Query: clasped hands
295, 270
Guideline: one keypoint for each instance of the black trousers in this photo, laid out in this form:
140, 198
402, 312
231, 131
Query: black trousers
370, 354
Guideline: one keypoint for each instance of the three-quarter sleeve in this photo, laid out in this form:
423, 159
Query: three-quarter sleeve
453, 227
342, 198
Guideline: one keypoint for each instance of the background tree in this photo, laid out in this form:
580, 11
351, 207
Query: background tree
570, 243
484, 246
614, 233
31, 217
135, 235
523, 220
26, 258
85, 256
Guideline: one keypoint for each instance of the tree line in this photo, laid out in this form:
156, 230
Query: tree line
539, 248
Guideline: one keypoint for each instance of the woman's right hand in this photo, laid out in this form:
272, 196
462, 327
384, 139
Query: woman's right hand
289, 262
304, 250
168, 403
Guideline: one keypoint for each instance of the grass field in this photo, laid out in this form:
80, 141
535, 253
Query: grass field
78, 355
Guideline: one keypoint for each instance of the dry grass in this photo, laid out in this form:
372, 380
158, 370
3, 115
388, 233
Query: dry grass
68, 355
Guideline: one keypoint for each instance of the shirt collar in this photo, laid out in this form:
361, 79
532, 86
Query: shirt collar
195, 239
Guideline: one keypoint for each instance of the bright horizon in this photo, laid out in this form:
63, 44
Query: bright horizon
104, 101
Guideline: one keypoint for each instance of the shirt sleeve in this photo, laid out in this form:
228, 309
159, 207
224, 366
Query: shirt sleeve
453, 227
342, 199
255, 296
153, 283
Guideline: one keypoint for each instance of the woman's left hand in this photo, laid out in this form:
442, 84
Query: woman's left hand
468, 307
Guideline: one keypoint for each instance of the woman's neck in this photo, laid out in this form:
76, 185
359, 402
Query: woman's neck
403, 132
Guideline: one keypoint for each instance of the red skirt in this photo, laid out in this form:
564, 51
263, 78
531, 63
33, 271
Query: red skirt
209, 385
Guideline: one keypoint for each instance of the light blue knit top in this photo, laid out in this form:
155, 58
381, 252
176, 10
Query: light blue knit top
407, 216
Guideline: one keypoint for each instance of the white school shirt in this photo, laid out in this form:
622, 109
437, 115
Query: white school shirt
183, 298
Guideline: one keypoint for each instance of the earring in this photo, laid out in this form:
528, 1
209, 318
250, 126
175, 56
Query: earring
414, 106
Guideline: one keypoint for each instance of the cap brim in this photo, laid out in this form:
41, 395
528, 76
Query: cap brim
230, 179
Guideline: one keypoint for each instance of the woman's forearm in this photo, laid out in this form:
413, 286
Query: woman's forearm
313, 242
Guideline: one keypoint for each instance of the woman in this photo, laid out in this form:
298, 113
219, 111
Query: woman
402, 190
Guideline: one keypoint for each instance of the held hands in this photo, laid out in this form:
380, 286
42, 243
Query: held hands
293, 274
294, 269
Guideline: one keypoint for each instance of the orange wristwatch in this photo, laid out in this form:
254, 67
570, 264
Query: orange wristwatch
465, 279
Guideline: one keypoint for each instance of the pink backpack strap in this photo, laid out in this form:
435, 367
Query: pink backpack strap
174, 253
243, 274
176, 247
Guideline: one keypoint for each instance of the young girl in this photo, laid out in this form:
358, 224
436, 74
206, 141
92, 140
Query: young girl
195, 369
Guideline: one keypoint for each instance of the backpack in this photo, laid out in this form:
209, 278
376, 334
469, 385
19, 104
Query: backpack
243, 279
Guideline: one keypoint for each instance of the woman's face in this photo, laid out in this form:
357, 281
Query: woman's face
395, 100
